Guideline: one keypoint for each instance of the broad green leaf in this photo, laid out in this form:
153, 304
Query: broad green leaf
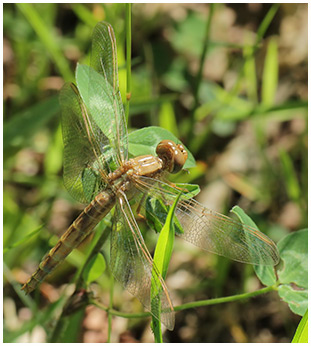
293, 275
103, 103
301, 334
94, 268
295, 297
189, 35
294, 252
264, 273
145, 141
96, 93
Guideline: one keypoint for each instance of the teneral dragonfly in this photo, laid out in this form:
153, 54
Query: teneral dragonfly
98, 171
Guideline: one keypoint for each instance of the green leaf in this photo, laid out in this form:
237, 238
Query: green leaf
157, 210
222, 104
270, 74
161, 260
156, 213
290, 178
96, 94
54, 157
264, 273
189, 35
163, 251
295, 297
102, 102
301, 334
167, 118
94, 268
293, 276
145, 141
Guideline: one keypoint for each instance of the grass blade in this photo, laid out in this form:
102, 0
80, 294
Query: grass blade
162, 256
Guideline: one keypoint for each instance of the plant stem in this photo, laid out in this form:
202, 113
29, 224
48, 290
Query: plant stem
225, 299
190, 305
128, 29
110, 308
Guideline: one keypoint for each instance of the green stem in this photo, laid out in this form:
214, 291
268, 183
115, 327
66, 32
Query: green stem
190, 305
110, 308
128, 29
225, 299
264, 25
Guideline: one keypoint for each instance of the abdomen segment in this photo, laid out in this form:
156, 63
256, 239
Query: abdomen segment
75, 234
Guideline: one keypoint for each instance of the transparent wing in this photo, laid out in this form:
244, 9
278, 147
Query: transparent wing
132, 265
104, 61
85, 166
212, 231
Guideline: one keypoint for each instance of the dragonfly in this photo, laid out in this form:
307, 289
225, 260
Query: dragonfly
98, 170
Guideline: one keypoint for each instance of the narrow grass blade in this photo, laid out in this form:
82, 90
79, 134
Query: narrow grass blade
290, 178
167, 118
162, 256
270, 74
301, 334
47, 38
22, 241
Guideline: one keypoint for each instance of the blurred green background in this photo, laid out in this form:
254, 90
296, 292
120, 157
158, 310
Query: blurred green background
242, 112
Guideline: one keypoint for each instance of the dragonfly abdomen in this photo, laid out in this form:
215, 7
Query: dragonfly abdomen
75, 234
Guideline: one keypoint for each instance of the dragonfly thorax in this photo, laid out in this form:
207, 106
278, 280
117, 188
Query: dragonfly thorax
173, 155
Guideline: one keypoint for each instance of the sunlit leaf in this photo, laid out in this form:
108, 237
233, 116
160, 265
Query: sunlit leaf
145, 141
94, 268
301, 334
264, 273
293, 275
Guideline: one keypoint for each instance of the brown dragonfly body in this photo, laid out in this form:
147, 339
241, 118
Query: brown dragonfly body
121, 181
98, 171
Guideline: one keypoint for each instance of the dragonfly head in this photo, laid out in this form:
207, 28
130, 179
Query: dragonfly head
173, 155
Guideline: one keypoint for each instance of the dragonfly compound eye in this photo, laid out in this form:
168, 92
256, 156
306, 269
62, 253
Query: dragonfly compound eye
173, 155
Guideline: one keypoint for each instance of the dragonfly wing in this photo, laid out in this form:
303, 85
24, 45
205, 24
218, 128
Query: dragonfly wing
132, 265
104, 61
84, 163
212, 231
